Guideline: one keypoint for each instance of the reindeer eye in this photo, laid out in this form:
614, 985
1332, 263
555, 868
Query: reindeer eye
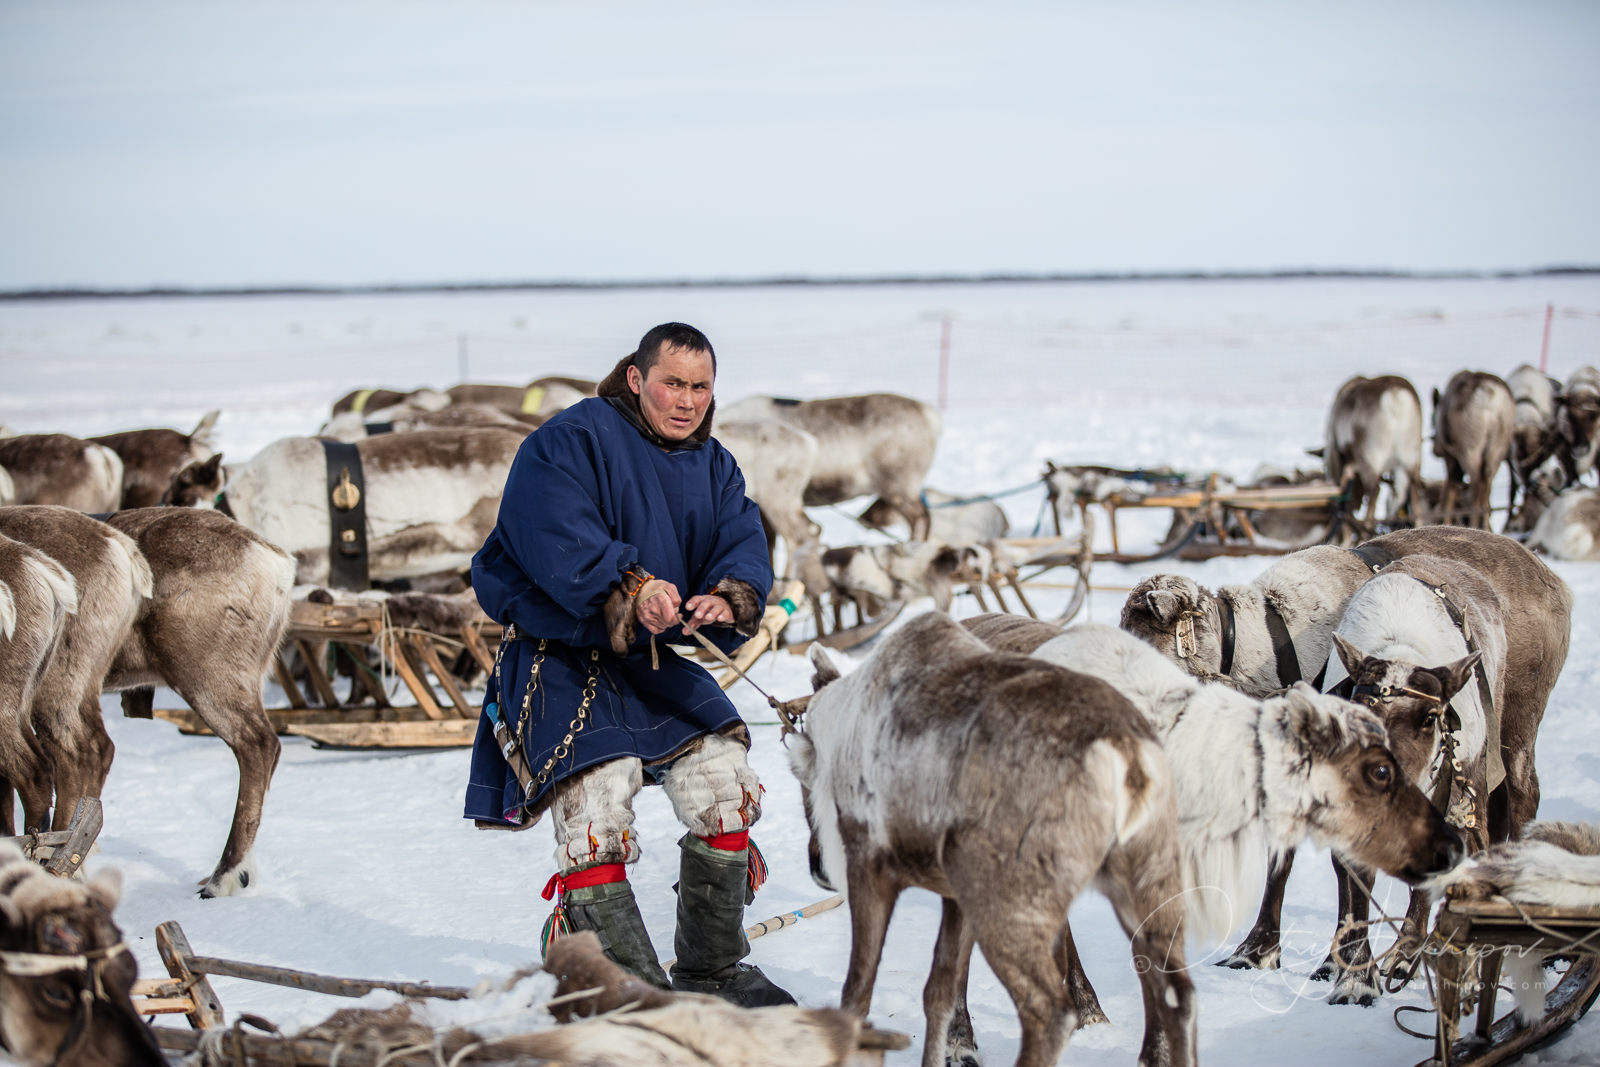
1380, 773
56, 996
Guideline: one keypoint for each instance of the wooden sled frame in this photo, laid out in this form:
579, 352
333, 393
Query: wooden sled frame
1485, 931
187, 991
62, 852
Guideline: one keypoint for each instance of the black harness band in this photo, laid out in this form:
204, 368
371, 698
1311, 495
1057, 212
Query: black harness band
347, 518
1376, 557
1282, 647
1225, 618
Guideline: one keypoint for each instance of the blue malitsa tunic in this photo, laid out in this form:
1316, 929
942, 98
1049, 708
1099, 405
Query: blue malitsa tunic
588, 498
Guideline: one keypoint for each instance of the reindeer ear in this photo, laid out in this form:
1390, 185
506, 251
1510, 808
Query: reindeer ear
825, 670
1307, 724
1454, 676
106, 887
1349, 655
1436, 396
1163, 604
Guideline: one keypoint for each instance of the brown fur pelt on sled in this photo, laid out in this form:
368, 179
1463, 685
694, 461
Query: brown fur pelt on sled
623, 1024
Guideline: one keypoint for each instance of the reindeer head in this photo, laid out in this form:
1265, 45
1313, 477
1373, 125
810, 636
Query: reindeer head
1179, 618
197, 485
65, 973
803, 761
1410, 700
1578, 417
1330, 761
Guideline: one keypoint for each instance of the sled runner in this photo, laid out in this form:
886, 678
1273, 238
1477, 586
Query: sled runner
1466, 955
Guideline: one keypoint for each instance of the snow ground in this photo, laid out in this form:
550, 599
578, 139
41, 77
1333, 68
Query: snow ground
366, 868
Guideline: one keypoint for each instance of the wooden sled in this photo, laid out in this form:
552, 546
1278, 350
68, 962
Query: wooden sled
1486, 931
62, 852
367, 719
187, 991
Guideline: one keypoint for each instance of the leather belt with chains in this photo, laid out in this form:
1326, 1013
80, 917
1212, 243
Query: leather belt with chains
511, 740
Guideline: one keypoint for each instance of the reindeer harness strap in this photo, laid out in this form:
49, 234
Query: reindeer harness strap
1495, 766
1225, 618
789, 711
1282, 646
347, 518
44, 964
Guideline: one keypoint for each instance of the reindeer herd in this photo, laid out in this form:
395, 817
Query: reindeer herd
1384, 700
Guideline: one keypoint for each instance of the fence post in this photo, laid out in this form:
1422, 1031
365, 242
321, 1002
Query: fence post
944, 363
1544, 350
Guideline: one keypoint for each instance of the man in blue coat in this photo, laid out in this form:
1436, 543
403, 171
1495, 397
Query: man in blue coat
622, 518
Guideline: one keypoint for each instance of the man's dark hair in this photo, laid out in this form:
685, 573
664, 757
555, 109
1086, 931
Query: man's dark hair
671, 335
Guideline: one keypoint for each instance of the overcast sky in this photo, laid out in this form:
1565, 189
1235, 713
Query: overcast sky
249, 143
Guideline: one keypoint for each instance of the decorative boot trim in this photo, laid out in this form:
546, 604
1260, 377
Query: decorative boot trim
559, 924
736, 842
740, 842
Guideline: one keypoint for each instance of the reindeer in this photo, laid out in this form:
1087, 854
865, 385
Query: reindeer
1252, 775
112, 580
1579, 422
879, 574
66, 972
219, 610
404, 418
432, 497
1570, 527
52, 468
776, 460
951, 518
540, 398
362, 401
36, 597
150, 458
1474, 421
1403, 647
1536, 436
1310, 590
1006, 785
880, 444
1375, 432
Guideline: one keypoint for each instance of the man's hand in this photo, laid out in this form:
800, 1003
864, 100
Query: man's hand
708, 610
657, 605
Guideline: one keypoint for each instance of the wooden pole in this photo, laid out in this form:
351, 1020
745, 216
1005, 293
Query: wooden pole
944, 364
1544, 350
778, 922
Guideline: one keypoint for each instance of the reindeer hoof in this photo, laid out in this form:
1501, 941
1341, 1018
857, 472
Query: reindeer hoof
227, 883
1091, 1017
1324, 973
1354, 988
962, 1056
1248, 956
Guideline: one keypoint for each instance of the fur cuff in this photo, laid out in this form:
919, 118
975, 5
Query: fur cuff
621, 611
745, 603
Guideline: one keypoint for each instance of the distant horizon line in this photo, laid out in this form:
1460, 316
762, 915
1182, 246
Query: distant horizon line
772, 281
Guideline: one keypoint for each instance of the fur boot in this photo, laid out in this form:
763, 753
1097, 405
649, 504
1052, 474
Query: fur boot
713, 888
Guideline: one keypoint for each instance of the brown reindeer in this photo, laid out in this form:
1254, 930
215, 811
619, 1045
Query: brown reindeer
150, 458
52, 468
220, 607
1375, 431
1535, 439
198, 485
1474, 420
879, 444
776, 460
1579, 422
66, 972
539, 399
36, 597
362, 401
112, 580
1007, 786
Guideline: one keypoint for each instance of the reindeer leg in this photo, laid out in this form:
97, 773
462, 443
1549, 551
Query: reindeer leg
1401, 964
8, 808
1083, 994
234, 713
1021, 957
1356, 982
872, 896
25, 762
949, 1041
1261, 947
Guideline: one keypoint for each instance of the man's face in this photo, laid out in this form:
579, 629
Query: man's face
675, 395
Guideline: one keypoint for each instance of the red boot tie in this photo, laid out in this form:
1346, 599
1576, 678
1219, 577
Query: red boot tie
739, 842
558, 925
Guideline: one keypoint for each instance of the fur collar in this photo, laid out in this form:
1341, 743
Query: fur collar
616, 392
